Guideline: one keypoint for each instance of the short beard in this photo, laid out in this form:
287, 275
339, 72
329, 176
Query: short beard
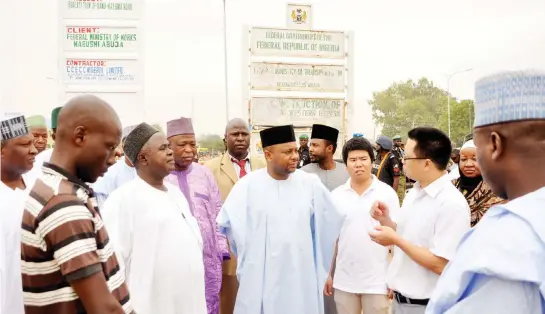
316, 160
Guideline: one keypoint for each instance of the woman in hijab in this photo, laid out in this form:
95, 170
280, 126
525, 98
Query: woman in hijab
477, 192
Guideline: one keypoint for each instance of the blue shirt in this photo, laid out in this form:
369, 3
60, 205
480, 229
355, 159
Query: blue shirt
499, 266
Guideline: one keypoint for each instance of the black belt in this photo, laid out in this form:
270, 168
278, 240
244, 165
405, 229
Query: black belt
404, 300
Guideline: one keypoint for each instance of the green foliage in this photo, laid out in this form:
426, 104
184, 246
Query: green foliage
212, 142
461, 120
409, 104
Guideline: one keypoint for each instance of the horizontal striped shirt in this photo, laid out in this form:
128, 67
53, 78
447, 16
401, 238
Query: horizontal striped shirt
63, 239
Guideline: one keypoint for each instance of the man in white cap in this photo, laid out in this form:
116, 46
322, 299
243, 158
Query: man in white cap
153, 230
426, 230
120, 173
37, 126
499, 266
18, 154
45, 156
282, 226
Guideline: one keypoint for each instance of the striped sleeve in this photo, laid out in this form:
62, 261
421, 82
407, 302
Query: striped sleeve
67, 227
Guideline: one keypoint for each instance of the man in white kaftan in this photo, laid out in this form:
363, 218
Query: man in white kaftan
17, 178
282, 226
154, 233
499, 266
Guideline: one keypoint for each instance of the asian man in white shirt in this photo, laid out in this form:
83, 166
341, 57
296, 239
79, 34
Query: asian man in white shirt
359, 279
430, 224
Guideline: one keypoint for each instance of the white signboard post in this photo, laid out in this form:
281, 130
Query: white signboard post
297, 111
101, 9
297, 77
297, 43
299, 16
100, 71
100, 39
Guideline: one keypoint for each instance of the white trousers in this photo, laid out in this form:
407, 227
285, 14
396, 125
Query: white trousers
358, 303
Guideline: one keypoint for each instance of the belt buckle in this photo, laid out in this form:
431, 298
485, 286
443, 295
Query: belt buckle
397, 296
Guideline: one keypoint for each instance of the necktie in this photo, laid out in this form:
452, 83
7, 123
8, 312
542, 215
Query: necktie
242, 165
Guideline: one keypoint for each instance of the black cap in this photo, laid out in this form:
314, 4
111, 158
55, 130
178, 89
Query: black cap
277, 135
137, 139
324, 132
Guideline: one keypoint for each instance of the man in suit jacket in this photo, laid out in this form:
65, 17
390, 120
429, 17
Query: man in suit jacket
234, 164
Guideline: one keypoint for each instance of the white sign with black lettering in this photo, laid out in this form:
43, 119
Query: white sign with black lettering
297, 43
297, 77
297, 111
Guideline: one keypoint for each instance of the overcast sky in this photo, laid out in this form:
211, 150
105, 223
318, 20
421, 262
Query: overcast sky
395, 40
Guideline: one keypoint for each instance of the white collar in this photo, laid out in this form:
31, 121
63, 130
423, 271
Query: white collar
347, 187
435, 187
233, 158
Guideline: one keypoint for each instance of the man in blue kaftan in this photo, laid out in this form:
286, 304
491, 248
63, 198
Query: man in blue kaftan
499, 267
282, 226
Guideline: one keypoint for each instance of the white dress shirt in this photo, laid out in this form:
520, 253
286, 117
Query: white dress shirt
361, 263
247, 166
454, 172
435, 217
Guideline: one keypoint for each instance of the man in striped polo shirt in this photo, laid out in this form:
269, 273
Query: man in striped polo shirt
68, 265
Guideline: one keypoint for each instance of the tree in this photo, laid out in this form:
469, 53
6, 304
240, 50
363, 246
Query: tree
409, 104
212, 142
461, 120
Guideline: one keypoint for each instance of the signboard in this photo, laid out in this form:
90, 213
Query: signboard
297, 77
297, 43
100, 71
101, 9
100, 39
268, 111
299, 16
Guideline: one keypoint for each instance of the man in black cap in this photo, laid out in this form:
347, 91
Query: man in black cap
386, 167
279, 221
120, 173
154, 231
323, 144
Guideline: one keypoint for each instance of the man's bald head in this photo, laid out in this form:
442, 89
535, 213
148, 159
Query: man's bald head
88, 133
87, 110
236, 123
237, 138
511, 154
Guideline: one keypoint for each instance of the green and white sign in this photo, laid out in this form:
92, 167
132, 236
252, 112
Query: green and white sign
297, 43
100, 39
